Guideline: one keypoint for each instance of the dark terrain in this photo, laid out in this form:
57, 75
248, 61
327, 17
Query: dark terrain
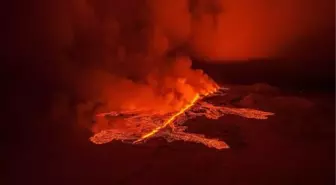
294, 147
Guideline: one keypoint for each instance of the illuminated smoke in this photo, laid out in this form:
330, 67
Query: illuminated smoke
113, 55
108, 55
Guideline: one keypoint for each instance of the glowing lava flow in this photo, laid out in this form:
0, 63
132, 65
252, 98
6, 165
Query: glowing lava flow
139, 125
169, 121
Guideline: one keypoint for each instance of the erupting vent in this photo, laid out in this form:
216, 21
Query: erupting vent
141, 126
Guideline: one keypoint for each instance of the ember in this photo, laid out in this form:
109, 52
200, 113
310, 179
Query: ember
141, 126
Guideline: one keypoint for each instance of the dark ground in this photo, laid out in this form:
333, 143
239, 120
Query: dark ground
294, 147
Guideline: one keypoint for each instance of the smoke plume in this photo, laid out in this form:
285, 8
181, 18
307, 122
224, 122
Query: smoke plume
116, 53
107, 55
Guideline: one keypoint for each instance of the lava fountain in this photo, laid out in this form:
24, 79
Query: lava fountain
142, 125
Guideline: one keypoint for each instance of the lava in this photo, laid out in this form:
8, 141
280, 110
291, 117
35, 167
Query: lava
140, 126
170, 120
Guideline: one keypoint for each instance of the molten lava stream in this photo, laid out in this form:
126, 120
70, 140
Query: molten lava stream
138, 121
169, 121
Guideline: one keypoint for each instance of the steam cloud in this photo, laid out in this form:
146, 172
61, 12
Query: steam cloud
116, 52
